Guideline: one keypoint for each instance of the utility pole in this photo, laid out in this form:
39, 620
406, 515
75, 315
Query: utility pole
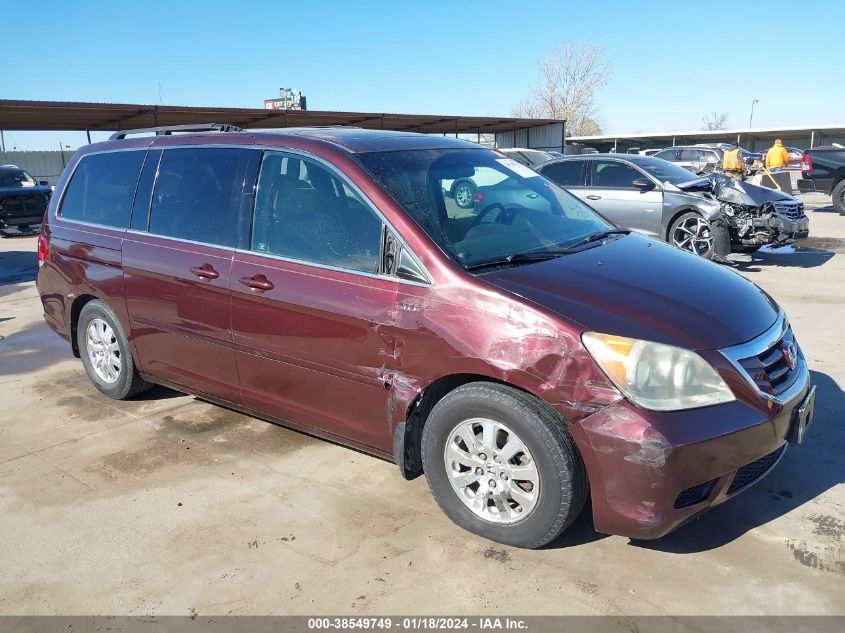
751, 118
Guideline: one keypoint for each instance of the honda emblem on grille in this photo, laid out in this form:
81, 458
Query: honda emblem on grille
790, 355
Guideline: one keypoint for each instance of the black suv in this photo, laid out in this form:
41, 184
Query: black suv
23, 201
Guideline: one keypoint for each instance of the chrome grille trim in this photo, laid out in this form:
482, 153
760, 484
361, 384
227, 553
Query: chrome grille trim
761, 344
790, 209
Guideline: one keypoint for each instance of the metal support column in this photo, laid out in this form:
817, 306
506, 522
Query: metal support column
563, 137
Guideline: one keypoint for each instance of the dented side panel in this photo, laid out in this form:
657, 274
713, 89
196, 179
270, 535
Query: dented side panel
452, 329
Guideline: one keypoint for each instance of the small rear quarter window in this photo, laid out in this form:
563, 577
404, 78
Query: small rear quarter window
102, 188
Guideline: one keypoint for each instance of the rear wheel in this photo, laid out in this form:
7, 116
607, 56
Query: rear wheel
105, 352
501, 464
691, 232
839, 197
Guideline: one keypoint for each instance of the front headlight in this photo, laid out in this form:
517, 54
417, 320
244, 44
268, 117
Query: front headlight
656, 376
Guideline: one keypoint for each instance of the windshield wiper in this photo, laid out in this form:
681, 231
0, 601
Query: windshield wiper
517, 258
594, 237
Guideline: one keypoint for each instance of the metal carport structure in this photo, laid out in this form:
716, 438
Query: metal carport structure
68, 115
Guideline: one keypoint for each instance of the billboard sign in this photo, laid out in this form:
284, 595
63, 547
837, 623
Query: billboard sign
289, 99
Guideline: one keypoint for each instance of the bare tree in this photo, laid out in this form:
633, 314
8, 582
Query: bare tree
566, 86
714, 121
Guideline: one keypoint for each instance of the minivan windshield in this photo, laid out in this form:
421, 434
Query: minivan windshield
481, 206
665, 171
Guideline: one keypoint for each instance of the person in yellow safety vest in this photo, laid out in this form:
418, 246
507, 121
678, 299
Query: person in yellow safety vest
732, 163
777, 157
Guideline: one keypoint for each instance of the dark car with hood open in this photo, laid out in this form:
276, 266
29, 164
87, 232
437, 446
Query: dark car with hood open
524, 354
23, 201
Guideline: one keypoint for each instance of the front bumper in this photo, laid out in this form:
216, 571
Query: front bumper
7, 221
794, 228
650, 472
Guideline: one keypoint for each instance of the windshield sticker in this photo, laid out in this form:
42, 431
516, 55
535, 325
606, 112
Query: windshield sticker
517, 167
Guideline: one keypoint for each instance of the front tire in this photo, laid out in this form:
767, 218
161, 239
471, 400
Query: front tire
691, 232
105, 352
838, 195
501, 464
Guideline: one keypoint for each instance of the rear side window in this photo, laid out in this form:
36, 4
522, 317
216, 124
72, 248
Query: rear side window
305, 212
102, 188
197, 195
567, 173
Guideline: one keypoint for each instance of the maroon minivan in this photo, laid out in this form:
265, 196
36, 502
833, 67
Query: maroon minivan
520, 351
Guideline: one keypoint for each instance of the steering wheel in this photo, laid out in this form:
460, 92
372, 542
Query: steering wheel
483, 213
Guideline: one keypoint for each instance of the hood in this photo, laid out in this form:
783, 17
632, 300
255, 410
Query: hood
727, 189
635, 286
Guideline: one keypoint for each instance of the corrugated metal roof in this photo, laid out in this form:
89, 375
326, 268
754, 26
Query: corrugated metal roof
715, 133
68, 115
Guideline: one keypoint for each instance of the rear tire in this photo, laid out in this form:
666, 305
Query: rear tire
105, 352
692, 233
838, 195
532, 486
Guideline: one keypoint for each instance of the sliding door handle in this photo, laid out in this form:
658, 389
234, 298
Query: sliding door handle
258, 282
206, 271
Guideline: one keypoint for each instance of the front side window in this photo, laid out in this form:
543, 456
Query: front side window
613, 174
102, 188
566, 173
306, 212
513, 209
197, 195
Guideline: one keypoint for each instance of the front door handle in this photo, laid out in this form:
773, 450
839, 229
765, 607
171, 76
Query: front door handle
206, 271
594, 197
258, 282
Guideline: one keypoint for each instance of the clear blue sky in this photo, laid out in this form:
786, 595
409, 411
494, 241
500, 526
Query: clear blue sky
672, 62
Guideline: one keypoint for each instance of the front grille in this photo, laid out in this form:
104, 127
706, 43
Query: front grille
693, 495
24, 205
790, 210
775, 369
750, 473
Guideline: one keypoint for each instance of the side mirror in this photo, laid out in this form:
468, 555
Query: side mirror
644, 184
43, 183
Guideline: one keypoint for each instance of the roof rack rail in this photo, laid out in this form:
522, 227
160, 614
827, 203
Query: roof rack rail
169, 129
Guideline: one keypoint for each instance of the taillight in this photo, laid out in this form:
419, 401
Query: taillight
806, 163
43, 248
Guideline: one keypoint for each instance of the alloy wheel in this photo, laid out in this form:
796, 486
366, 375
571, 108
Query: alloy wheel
693, 234
103, 351
491, 470
463, 196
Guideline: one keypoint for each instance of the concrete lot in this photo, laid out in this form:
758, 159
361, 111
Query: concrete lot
170, 505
